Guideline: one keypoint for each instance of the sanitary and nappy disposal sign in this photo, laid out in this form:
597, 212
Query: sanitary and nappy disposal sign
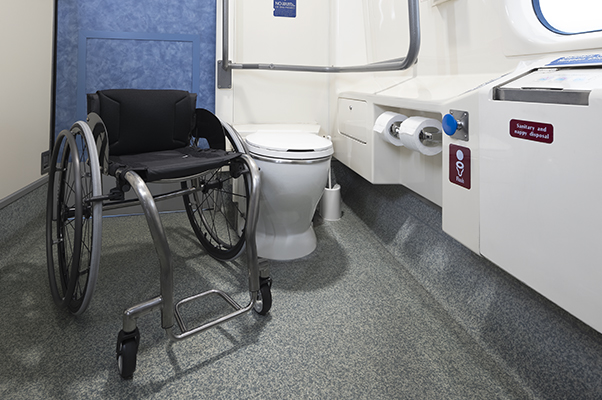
285, 8
529, 130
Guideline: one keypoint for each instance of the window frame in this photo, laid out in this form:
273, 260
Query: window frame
541, 17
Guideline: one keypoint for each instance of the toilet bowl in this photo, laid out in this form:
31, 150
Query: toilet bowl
294, 163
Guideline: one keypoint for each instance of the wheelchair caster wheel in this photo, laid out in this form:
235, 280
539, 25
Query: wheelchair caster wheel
264, 296
127, 348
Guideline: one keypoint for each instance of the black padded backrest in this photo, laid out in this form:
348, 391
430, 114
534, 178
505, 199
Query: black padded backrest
208, 126
141, 121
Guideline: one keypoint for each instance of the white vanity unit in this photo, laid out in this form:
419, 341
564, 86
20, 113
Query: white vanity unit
541, 188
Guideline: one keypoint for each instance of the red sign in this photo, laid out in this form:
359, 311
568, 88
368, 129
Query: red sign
459, 165
535, 131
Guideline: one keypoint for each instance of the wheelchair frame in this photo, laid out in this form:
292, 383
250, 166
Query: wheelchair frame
93, 139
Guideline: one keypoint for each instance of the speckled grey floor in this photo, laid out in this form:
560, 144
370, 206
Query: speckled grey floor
387, 307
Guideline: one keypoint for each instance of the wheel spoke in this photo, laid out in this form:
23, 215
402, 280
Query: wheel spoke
215, 211
73, 237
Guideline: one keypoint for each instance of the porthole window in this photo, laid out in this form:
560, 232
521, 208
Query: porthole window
569, 17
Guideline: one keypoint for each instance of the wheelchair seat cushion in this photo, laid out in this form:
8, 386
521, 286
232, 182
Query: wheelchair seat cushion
171, 164
141, 121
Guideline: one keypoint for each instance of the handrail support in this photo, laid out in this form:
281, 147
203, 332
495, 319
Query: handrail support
225, 66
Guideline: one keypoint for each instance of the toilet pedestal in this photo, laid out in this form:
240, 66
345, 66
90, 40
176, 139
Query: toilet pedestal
286, 247
294, 168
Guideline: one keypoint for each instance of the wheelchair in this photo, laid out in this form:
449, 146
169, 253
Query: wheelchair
138, 137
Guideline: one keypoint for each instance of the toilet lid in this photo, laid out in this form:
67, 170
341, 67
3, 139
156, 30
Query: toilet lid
289, 145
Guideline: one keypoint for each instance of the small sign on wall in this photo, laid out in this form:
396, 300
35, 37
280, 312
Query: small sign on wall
529, 130
459, 165
285, 8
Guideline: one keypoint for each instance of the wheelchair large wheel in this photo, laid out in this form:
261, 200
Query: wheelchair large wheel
73, 222
218, 211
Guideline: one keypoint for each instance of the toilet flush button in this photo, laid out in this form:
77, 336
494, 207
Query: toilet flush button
455, 124
449, 123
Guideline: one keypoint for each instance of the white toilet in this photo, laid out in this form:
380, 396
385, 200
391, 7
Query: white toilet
294, 162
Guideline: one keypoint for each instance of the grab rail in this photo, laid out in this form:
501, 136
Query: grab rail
225, 66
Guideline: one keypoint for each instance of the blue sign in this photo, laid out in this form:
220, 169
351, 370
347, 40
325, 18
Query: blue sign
285, 8
574, 60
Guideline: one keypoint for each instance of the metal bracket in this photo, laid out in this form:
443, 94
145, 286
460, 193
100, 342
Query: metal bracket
224, 76
462, 118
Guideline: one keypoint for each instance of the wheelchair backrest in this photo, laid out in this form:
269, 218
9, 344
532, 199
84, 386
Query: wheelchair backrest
141, 121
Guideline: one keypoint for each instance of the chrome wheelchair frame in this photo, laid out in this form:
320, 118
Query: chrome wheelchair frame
74, 223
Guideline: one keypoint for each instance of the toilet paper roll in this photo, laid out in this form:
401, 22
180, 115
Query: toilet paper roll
409, 134
383, 125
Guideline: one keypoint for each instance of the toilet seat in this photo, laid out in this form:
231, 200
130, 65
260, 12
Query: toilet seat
289, 145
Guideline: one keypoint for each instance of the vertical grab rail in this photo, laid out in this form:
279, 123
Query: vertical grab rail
225, 66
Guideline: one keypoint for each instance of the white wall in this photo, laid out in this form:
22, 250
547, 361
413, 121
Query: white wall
25, 90
458, 37
259, 37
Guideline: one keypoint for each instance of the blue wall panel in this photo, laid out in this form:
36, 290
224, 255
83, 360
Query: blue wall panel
139, 60
144, 44
135, 60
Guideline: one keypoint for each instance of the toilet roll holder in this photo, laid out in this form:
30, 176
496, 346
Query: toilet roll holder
429, 136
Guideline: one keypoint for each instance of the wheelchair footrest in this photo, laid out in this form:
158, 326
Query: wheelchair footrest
238, 310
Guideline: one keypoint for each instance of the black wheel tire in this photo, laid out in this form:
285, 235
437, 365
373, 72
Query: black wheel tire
127, 348
73, 223
64, 219
264, 296
126, 358
218, 212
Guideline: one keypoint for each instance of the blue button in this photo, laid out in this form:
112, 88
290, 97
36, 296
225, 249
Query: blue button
450, 125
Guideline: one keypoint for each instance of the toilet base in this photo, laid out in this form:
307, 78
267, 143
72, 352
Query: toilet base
287, 247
